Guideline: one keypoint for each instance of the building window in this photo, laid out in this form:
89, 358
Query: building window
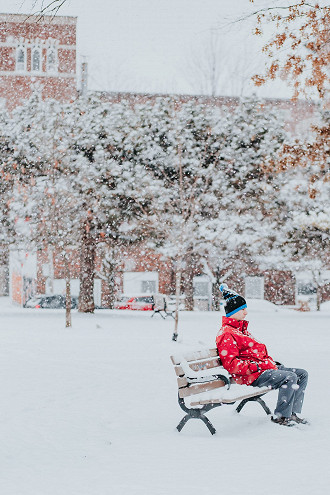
254, 287
148, 286
201, 289
140, 283
36, 60
305, 288
51, 60
20, 59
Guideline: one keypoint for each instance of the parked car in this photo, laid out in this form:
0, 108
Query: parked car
140, 303
31, 303
52, 302
121, 303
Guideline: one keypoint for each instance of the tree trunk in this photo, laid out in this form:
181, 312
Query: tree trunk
51, 269
87, 266
318, 298
67, 296
216, 294
178, 276
4, 261
112, 291
110, 267
189, 281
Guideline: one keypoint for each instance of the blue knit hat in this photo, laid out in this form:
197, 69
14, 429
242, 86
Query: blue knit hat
233, 301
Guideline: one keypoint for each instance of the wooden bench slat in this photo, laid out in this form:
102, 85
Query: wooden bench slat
204, 402
195, 356
175, 360
178, 370
229, 400
205, 365
182, 381
198, 388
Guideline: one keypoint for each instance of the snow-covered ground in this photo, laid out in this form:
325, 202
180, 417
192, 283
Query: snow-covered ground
92, 410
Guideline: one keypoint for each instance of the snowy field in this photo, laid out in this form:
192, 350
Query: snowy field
92, 410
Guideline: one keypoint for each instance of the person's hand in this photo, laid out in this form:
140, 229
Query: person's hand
254, 367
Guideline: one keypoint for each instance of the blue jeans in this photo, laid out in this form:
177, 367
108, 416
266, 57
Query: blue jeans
291, 383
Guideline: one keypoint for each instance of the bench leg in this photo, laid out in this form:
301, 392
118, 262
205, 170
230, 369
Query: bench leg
205, 420
159, 312
183, 422
264, 406
241, 405
208, 424
197, 414
253, 399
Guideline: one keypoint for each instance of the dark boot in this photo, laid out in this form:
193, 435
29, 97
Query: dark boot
300, 421
282, 421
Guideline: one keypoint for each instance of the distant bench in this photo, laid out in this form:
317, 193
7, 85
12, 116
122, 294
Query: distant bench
162, 306
200, 372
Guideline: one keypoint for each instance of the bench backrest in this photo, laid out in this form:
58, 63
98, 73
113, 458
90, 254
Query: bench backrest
159, 301
197, 361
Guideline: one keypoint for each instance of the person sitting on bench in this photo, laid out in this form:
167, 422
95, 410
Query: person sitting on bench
248, 362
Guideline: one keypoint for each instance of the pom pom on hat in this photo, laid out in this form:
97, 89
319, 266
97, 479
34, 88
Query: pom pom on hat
223, 287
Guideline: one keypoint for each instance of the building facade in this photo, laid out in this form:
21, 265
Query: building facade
37, 54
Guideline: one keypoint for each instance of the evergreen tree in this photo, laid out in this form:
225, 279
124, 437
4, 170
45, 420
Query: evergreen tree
249, 139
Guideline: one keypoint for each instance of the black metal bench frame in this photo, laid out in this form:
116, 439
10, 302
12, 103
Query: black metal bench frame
199, 413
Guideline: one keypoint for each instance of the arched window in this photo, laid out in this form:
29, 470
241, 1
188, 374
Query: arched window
36, 60
20, 59
51, 60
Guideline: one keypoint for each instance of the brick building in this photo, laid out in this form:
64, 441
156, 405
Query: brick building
37, 53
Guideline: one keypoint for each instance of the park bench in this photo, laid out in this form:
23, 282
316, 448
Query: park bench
204, 384
161, 306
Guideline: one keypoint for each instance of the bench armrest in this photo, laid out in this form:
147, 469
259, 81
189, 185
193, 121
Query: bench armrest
206, 375
209, 378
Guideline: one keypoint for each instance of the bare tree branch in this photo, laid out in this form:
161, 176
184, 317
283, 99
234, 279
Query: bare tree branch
277, 8
46, 7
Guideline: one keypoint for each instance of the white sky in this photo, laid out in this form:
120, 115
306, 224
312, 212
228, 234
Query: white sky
146, 45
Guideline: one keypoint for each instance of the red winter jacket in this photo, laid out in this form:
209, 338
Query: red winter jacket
243, 357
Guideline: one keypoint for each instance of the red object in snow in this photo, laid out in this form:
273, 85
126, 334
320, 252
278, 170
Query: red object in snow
141, 303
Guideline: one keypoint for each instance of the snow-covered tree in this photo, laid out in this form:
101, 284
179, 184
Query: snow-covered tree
6, 183
195, 182
210, 186
107, 180
7, 230
303, 228
173, 145
42, 204
248, 139
304, 241
80, 186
